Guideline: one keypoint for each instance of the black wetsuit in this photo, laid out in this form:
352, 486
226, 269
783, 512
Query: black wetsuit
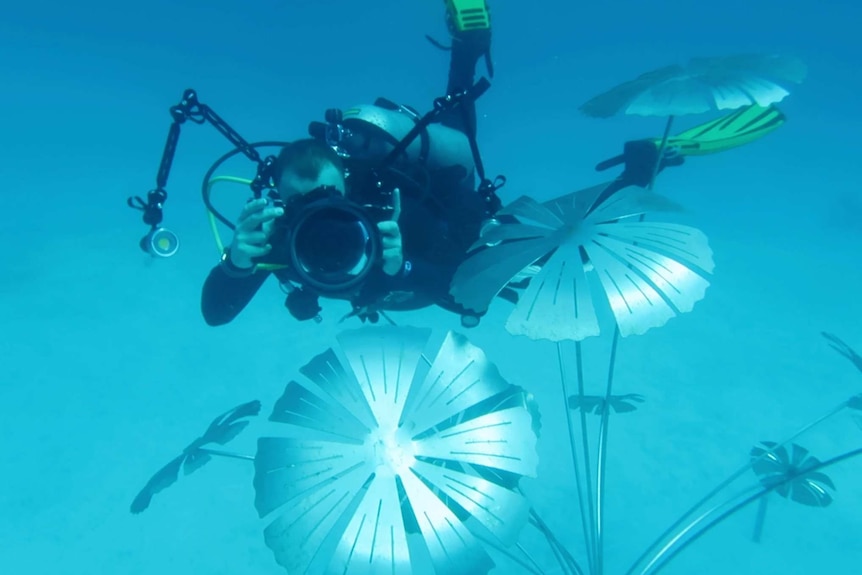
224, 296
435, 235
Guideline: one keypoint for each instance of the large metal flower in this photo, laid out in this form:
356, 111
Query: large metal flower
221, 431
702, 85
649, 271
380, 444
789, 472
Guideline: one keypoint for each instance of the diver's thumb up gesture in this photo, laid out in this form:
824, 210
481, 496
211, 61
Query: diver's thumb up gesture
390, 234
253, 229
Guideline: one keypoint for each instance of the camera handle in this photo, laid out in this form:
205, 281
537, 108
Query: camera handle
190, 108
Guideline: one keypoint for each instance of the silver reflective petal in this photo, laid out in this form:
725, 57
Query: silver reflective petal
375, 438
648, 271
704, 84
511, 248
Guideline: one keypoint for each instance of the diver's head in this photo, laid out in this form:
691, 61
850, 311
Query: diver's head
306, 165
330, 243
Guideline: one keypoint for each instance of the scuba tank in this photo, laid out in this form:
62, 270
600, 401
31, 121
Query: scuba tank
365, 134
386, 146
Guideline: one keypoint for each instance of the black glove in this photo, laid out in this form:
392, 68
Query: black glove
640, 157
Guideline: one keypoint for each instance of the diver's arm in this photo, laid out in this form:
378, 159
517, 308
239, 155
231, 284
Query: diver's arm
468, 47
640, 158
224, 295
234, 281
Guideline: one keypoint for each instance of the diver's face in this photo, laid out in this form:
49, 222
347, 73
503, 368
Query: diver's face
291, 184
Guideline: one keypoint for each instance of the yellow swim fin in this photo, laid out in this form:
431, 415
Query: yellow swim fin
742, 126
466, 15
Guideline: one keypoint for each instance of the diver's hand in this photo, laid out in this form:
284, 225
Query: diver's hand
253, 229
390, 233
641, 157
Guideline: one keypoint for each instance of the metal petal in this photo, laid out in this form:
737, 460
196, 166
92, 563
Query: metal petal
768, 461
649, 271
375, 540
505, 232
586, 403
327, 372
514, 247
337, 505
838, 345
221, 430
384, 361
287, 467
780, 453
704, 84
557, 304
631, 202
459, 377
502, 511
518, 397
799, 455
314, 482
683, 243
453, 549
819, 477
227, 426
809, 493
646, 288
161, 480
676, 96
194, 461
300, 406
573, 207
526, 209
500, 440
620, 97
481, 276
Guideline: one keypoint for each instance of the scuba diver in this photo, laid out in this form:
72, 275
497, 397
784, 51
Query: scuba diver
379, 206
415, 178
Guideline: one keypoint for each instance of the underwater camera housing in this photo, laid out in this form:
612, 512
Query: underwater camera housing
331, 243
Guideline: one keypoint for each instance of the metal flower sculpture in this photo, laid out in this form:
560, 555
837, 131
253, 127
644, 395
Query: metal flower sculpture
221, 431
854, 403
379, 444
649, 271
704, 84
774, 466
595, 404
845, 350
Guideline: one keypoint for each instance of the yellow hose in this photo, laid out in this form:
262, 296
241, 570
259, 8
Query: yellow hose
214, 221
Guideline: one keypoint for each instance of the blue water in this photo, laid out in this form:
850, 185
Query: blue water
107, 368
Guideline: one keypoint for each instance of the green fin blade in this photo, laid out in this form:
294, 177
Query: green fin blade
744, 125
